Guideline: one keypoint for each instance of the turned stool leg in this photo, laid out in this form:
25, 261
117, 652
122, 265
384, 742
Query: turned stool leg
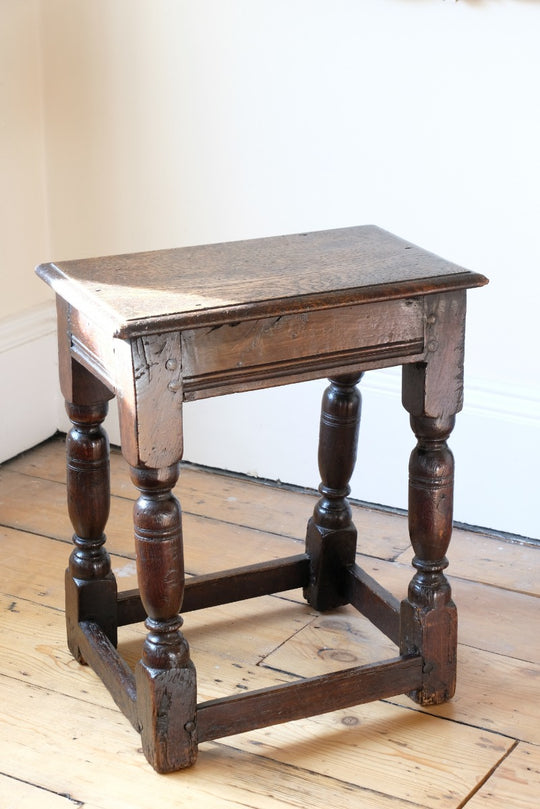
331, 534
90, 584
428, 616
165, 676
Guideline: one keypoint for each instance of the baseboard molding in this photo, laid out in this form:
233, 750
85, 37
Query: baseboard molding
486, 397
27, 326
493, 441
29, 370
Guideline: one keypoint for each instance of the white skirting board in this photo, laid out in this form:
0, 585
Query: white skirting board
272, 433
28, 369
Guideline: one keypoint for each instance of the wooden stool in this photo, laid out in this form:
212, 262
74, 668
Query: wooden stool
159, 328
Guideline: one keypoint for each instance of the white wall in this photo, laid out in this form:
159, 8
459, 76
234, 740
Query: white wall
27, 326
170, 123
23, 210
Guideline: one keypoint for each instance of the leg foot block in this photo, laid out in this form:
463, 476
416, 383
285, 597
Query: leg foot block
331, 553
433, 634
166, 706
90, 600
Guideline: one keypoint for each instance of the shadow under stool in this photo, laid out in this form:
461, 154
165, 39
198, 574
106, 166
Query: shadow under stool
160, 328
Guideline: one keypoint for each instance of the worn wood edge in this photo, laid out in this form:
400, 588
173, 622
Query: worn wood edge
92, 362
311, 697
375, 602
75, 294
113, 671
306, 303
226, 586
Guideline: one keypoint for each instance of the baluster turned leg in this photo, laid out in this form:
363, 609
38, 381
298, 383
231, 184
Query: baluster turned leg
166, 685
429, 616
331, 534
90, 584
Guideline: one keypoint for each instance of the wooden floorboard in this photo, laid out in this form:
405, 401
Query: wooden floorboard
64, 743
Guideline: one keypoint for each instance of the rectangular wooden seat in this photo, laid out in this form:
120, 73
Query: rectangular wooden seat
159, 328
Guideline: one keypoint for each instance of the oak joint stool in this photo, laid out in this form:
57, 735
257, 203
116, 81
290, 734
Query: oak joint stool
160, 328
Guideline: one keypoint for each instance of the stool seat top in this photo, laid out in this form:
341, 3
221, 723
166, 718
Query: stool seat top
163, 290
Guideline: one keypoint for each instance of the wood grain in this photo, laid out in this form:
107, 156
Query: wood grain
485, 695
57, 718
474, 555
375, 745
294, 347
515, 784
222, 283
477, 556
396, 748
282, 309
310, 696
239, 501
27, 796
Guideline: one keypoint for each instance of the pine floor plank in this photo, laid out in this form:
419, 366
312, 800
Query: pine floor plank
486, 690
494, 619
220, 496
490, 560
246, 544
63, 740
106, 767
514, 785
473, 555
43, 579
334, 640
387, 749
494, 692
15, 794
224, 646
382, 749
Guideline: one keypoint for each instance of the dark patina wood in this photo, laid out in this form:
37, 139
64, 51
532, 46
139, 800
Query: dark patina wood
331, 535
309, 697
91, 592
103, 657
161, 328
235, 584
374, 602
